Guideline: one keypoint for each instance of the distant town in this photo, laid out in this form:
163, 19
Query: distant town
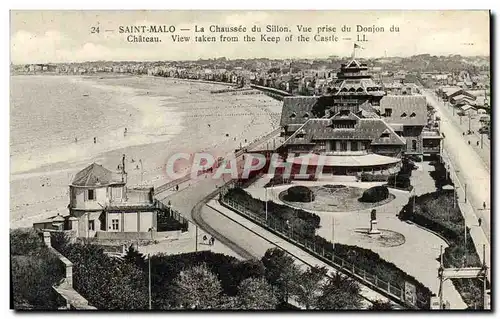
397, 75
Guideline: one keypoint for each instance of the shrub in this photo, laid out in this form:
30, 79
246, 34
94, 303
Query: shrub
375, 194
300, 194
369, 177
399, 181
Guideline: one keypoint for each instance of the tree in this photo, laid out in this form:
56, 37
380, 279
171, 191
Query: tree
281, 271
34, 269
381, 305
106, 282
339, 292
256, 294
134, 257
198, 288
309, 287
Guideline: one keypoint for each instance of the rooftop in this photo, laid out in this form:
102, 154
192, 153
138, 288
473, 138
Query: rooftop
96, 175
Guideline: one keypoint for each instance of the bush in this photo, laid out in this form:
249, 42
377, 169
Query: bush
369, 177
303, 223
34, 270
300, 194
375, 194
399, 181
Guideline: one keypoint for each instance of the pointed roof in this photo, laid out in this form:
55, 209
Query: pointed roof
95, 175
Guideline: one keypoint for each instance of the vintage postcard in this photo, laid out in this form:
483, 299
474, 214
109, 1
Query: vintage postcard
250, 160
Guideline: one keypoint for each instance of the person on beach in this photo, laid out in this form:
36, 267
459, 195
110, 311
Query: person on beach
95, 140
479, 221
484, 205
76, 140
477, 143
125, 132
177, 187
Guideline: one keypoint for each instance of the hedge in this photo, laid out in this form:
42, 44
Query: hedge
369, 177
375, 194
303, 222
435, 212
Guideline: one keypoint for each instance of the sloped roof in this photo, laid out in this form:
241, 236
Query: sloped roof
415, 107
365, 129
297, 106
95, 175
463, 97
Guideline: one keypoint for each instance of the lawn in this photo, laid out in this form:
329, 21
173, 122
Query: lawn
335, 198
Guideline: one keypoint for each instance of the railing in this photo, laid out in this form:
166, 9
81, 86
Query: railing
347, 153
173, 213
431, 149
364, 276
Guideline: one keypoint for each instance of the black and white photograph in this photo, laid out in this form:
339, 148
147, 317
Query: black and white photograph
265, 160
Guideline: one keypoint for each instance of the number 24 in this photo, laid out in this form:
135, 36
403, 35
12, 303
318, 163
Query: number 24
94, 30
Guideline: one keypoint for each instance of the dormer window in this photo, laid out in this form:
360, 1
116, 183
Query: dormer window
413, 114
385, 134
403, 115
306, 115
293, 115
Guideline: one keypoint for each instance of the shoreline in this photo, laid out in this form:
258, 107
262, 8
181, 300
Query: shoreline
204, 119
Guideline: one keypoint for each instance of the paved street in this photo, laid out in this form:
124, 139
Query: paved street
470, 174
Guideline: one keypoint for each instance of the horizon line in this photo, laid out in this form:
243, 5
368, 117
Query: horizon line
260, 58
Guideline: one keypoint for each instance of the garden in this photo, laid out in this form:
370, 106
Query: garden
305, 232
335, 198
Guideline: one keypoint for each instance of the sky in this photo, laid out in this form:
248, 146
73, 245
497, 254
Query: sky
65, 36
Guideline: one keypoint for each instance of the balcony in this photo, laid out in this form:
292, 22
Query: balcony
139, 196
431, 149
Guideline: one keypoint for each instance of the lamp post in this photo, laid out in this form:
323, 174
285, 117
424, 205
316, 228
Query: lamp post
266, 203
149, 280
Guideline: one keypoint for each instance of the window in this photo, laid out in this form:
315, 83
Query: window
413, 114
403, 115
388, 112
115, 224
413, 145
91, 225
90, 194
343, 146
354, 146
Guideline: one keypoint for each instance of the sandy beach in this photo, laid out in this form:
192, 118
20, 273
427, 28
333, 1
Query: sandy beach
162, 116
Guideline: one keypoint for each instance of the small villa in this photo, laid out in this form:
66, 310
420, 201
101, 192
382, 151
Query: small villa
102, 205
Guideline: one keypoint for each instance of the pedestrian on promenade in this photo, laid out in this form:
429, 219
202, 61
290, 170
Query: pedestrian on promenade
477, 143
95, 140
484, 205
468, 142
463, 133
479, 221
177, 187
